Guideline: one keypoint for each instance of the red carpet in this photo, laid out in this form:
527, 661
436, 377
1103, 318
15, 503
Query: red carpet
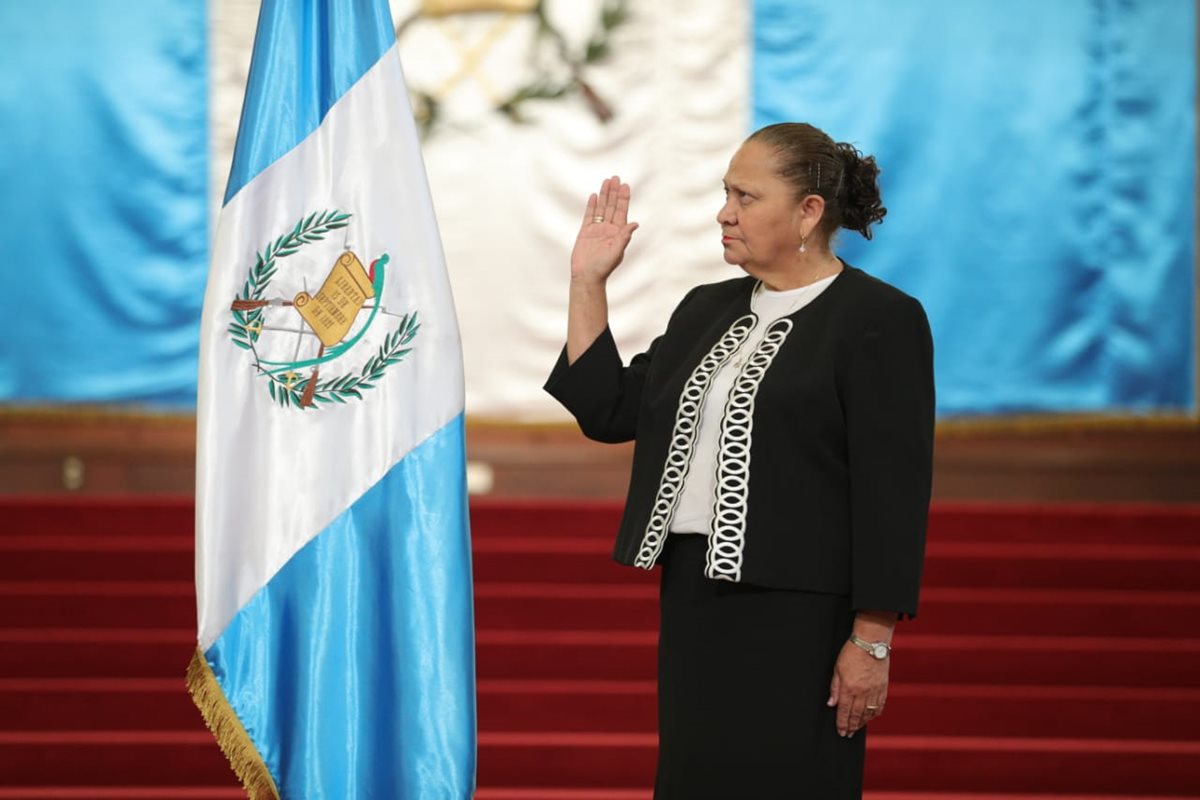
1056, 656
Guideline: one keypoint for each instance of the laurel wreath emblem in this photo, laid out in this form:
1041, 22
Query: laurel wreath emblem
290, 388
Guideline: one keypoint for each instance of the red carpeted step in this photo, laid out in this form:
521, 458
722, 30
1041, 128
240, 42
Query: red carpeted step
49, 704
606, 655
588, 558
529, 793
569, 705
895, 762
98, 516
1078, 523
1104, 712
562, 558
123, 792
151, 604
562, 606
1052, 565
85, 556
95, 652
949, 521
111, 757
161, 557
1023, 611
599, 518
1059, 624
980, 565
624, 706
536, 758
1067, 660
869, 795
924, 709
922, 659
154, 653
1117, 613
1039, 765
573, 560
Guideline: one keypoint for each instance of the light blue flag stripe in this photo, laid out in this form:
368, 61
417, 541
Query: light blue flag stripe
307, 54
352, 669
1038, 166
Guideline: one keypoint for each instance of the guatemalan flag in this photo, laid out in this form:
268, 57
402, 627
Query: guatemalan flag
333, 577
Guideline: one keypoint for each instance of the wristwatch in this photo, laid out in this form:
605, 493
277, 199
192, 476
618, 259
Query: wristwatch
878, 650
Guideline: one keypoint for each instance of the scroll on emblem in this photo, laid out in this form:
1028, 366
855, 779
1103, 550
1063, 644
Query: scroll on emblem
333, 309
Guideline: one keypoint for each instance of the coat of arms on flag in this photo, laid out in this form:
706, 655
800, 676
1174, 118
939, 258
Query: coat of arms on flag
333, 319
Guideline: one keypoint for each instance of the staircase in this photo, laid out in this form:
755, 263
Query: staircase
1057, 655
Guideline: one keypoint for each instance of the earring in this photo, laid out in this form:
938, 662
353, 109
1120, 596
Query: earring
803, 243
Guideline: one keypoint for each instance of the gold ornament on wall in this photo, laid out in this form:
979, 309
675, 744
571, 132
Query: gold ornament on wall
473, 30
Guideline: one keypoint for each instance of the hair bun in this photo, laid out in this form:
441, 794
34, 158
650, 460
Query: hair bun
859, 192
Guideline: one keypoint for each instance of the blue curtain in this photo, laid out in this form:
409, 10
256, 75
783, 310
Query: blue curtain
103, 199
1038, 165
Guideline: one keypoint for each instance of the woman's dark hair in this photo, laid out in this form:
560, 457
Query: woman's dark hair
813, 163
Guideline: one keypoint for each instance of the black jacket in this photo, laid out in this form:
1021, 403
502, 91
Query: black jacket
832, 424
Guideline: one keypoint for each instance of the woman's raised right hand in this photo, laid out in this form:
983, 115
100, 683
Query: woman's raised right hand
604, 234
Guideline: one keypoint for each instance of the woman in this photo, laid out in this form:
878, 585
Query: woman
781, 472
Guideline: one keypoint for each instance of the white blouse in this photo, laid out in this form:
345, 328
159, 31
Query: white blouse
694, 513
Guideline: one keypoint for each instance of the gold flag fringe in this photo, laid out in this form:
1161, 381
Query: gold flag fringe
227, 728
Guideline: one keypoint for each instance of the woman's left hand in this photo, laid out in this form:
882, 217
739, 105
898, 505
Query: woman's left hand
858, 689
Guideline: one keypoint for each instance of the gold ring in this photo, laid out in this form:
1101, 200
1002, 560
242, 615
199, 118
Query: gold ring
597, 219
872, 708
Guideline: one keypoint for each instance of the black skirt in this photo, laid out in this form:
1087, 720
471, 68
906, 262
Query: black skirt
743, 679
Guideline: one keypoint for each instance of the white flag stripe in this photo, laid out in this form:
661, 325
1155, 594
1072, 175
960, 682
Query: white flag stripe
250, 526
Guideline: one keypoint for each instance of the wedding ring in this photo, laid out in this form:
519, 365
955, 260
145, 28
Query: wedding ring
872, 708
597, 219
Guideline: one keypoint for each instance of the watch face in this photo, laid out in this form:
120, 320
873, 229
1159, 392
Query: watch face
880, 651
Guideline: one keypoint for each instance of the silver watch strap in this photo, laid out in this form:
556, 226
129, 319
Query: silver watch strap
870, 647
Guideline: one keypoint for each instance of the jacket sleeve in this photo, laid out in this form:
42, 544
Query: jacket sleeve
604, 396
889, 406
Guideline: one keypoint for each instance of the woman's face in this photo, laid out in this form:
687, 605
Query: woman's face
761, 220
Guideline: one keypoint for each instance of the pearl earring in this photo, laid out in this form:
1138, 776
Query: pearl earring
803, 244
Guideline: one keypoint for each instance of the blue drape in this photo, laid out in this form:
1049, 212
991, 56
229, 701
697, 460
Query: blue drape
1039, 163
1038, 166
103, 199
